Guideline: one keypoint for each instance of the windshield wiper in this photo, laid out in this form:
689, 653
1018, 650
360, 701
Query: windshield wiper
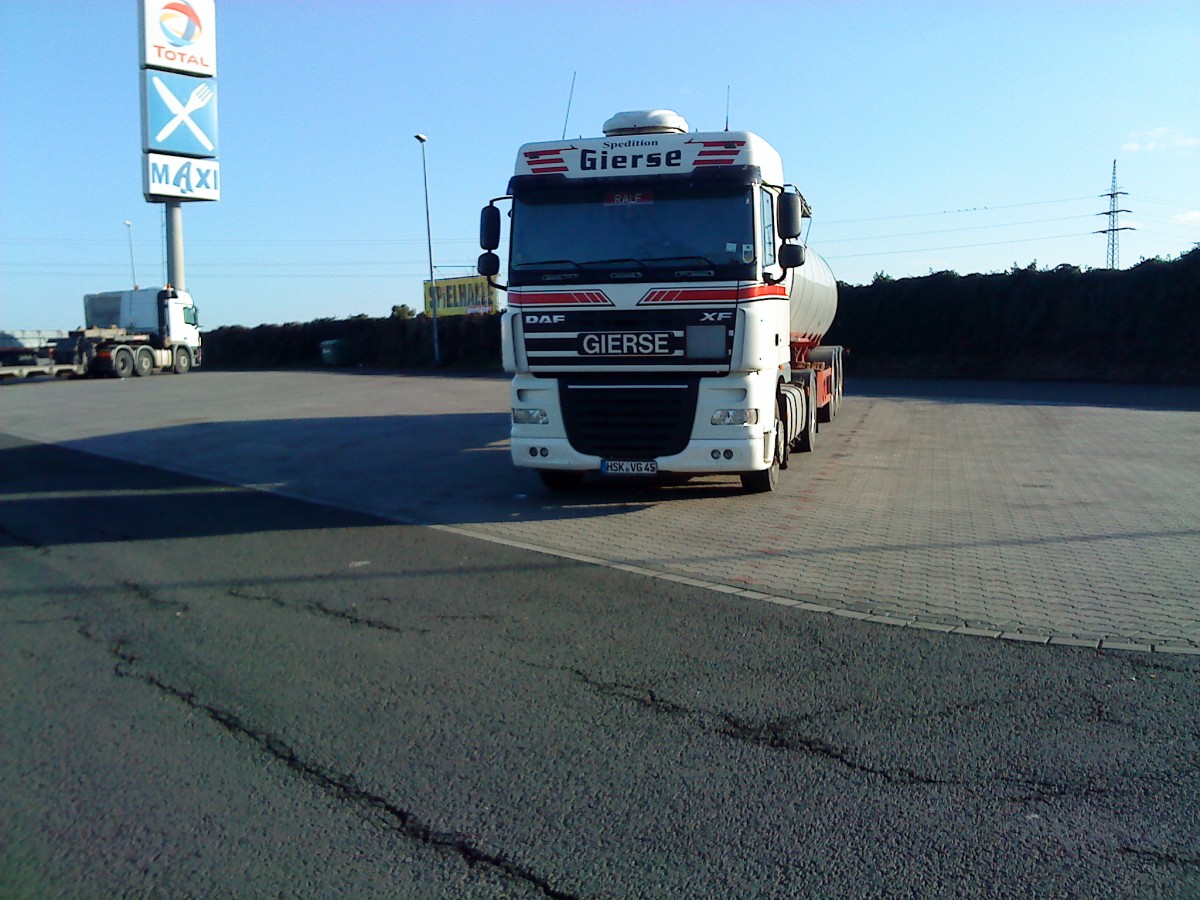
543, 263
681, 260
621, 260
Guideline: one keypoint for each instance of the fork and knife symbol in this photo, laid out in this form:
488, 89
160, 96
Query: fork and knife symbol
199, 99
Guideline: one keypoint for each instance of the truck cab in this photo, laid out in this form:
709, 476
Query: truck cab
656, 297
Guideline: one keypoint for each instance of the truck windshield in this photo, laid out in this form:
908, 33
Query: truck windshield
611, 233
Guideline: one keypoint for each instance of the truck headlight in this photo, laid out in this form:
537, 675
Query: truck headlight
735, 417
530, 416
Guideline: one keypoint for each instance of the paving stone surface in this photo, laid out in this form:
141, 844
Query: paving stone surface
1034, 512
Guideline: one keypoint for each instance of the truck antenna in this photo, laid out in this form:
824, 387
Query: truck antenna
570, 97
726, 107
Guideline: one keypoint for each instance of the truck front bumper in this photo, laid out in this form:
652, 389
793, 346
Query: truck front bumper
730, 456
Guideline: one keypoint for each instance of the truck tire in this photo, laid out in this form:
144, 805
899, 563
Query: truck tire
143, 362
183, 360
558, 480
122, 362
838, 387
766, 480
808, 436
825, 413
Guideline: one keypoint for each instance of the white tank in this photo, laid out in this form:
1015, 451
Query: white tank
813, 296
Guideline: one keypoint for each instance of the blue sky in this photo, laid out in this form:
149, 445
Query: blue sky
926, 135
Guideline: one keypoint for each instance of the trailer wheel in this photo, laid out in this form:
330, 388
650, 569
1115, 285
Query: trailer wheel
835, 401
183, 360
143, 362
825, 413
767, 480
122, 362
557, 480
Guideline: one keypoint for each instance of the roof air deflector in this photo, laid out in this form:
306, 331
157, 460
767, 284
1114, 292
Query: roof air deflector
645, 121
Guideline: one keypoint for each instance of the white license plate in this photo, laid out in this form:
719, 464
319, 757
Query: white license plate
628, 467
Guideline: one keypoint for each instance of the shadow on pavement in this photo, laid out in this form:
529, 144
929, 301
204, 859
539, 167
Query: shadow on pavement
190, 480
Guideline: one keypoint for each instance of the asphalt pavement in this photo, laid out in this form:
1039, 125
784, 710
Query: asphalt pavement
211, 688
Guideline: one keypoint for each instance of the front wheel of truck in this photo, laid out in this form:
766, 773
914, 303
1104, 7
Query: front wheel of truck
767, 480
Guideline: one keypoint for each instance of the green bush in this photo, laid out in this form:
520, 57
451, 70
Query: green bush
469, 343
1137, 325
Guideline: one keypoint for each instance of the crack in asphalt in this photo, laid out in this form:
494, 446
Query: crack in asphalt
1157, 856
1100, 712
146, 595
1136, 662
320, 609
402, 821
781, 734
51, 621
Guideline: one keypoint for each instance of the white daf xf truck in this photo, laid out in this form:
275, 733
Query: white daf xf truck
663, 316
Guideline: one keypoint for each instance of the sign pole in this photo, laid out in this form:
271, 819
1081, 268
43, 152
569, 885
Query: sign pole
433, 297
178, 60
176, 276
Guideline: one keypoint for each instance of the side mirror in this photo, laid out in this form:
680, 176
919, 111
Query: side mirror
791, 213
489, 263
791, 256
489, 227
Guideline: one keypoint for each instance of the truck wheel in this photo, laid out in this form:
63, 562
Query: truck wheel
557, 480
825, 413
765, 481
835, 394
122, 362
183, 360
808, 436
143, 362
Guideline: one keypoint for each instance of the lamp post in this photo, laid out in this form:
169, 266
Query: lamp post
433, 303
132, 268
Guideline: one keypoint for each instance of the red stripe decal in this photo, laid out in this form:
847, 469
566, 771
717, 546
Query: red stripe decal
553, 151
560, 298
712, 295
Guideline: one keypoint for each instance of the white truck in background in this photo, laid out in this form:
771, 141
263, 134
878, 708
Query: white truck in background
125, 333
662, 317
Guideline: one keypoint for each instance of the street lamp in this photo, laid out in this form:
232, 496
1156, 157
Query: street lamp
132, 269
433, 304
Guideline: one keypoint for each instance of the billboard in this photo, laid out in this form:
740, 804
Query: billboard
463, 296
179, 35
178, 49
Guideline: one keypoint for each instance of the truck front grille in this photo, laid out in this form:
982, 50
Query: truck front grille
627, 418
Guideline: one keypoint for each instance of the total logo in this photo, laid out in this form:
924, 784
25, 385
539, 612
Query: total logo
180, 24
180, 35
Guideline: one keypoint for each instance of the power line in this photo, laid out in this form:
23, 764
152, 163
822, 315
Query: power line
1144, 199
906, 234
950, 212
1053, 237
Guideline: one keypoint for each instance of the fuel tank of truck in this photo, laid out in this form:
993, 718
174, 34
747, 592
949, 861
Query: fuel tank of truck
813, 299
